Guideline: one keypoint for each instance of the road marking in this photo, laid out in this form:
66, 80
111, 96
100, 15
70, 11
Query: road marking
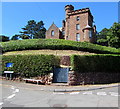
114, 94
1, 103
16, 90
58, 93
12, 87
11, 96
87, 93
101, 93
72, 93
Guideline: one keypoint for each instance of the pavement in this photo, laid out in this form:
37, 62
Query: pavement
21, 94
64, 88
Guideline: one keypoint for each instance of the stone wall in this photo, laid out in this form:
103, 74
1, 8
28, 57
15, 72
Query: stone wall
92, 78
45, 80
65, 60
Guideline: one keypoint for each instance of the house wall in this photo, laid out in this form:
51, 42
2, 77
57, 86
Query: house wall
69, 25
56, 33
70, 28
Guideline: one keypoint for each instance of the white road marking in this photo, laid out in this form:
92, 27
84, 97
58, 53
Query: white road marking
11, 96
1, 103
101, 93
12, 87
87, 93
58, 93
114, 94
16, 90
72, 93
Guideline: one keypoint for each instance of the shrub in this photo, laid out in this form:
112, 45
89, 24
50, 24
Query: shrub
30, 65
56, 44
96, 63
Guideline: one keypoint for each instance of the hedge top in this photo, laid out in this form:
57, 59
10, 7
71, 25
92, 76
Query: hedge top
56, 44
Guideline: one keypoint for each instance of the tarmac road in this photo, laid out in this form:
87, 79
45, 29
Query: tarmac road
15, 94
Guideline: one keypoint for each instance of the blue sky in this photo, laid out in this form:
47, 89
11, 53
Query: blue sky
16, 14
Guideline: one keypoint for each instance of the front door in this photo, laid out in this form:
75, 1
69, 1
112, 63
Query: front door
60, 75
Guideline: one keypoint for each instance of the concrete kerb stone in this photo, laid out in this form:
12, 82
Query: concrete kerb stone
87, 89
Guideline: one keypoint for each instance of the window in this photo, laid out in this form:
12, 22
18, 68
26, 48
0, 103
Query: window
77, 37
63, 32
66, 37
90, 33
84, 35
77, 26
77, 18
52, 33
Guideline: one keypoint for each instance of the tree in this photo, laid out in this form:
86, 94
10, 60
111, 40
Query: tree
110, 37
4, 38
102, 37
33, 30
113, 36
15, 37
23, 36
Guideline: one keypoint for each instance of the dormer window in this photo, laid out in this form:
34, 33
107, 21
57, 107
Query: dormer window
77, 18
52, 33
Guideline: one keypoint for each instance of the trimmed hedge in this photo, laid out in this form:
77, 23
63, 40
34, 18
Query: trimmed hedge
96, 63
30, 65
56, 44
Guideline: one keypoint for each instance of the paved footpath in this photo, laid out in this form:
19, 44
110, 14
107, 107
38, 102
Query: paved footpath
21, 94
63, 88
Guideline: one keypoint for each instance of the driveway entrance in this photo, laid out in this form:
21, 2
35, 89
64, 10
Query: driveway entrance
60, 75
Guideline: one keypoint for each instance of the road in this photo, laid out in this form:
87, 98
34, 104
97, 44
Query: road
15, 94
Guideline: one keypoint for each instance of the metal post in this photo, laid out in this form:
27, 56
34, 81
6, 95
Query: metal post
10, 76
6, 75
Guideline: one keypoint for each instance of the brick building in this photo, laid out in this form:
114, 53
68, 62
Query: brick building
77, 26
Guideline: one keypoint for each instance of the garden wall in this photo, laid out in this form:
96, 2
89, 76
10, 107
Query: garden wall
93, 78
86, 69
94, 69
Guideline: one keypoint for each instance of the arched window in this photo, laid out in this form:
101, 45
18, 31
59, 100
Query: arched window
52, 33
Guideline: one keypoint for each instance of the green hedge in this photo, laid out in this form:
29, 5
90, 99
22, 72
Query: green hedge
96, 63
56, 44
30, 65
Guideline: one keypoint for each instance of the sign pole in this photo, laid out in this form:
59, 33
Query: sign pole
6, 75
10, 76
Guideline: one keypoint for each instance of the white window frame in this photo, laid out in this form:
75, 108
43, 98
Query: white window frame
77, 37
77, 26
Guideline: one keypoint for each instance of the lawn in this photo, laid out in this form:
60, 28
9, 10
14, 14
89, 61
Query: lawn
48, 52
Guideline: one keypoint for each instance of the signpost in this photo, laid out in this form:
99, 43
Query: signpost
8, 72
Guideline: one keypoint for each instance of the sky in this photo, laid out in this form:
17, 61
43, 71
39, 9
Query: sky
15, 15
